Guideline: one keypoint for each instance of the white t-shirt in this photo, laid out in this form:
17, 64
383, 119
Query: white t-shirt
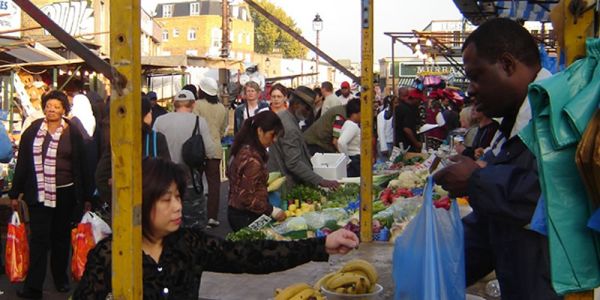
385, 131
349, 141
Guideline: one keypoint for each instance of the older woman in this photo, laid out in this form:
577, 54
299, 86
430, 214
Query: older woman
174, 258
279, 94
248, 173
49, 173
252, 106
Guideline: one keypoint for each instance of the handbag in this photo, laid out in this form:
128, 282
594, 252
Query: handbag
17, 250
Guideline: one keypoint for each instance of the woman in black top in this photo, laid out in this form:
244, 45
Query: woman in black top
174, 258
50, 173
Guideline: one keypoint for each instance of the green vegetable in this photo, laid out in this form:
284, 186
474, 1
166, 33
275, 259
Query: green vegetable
246, 234
304, 193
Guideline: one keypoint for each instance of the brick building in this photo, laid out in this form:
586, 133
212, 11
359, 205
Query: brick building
194, 28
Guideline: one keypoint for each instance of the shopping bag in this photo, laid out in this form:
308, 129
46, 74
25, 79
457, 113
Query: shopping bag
429, 260
100, 229
82, 240
17, 250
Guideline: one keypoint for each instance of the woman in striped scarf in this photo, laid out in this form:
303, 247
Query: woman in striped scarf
52, 175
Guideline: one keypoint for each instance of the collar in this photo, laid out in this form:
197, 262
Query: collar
524, 115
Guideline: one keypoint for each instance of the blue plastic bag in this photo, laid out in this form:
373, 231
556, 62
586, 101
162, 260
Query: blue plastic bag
429, 257
6, 149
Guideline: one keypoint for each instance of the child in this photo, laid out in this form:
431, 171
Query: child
349, 140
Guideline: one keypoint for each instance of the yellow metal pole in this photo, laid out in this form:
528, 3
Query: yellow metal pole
366, 124
125, 138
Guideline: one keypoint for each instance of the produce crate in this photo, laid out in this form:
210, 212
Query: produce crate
330, 166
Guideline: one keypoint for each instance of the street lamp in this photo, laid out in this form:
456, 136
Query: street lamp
317, 26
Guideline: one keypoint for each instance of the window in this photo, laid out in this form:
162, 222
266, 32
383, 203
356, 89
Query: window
240, 38
165, 35
194, 9
248, 40
175, 32
191, 34
167, 10
244, 14
216, 38
192, 52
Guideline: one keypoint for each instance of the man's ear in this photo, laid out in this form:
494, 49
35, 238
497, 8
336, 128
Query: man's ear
508, 63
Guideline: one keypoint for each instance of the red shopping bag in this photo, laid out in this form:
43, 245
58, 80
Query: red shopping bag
82, 240
17, 250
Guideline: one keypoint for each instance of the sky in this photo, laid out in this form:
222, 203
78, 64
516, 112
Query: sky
340, 37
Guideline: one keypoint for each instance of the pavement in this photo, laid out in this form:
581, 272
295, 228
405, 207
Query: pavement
243, 286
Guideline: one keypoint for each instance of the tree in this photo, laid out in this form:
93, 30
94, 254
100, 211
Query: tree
267, 36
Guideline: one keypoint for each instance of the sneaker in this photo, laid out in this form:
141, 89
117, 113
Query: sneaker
213, 223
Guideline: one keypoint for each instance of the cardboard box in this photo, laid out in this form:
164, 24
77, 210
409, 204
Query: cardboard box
331, 166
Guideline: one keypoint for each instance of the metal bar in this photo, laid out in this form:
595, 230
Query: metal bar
302, 40
125, 138
11, 101
19, 30
72, 44
49, 39
69, 79
366, 124
54, 78
393, 68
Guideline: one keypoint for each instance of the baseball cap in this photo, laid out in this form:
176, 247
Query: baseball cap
345, 85
209, 86
184, 95
152, 96
416, 94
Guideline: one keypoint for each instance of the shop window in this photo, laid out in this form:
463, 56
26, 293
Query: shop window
194, 9
167, 10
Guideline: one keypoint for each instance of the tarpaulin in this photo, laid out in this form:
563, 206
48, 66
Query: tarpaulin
562, 105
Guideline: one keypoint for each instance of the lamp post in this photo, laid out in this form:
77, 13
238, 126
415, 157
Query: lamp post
317, 26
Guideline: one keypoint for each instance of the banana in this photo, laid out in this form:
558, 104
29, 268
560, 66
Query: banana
323, 280
304, 294
340, 290
363, 286
364, 266
343, 280
291, 291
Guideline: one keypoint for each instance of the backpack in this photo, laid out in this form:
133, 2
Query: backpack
194, 154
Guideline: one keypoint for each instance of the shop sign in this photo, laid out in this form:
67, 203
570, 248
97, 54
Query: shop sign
75, 17
11, 18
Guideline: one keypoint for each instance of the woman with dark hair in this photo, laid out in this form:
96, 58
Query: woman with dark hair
248, 173
174, 258
279, 94
50, 173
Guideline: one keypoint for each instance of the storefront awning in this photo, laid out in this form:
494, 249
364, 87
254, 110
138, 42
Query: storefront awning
528, 10
192, 61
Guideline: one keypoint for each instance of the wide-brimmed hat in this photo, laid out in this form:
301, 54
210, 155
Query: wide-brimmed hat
305, 94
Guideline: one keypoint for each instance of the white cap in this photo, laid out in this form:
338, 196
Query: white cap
209, 86
184, 95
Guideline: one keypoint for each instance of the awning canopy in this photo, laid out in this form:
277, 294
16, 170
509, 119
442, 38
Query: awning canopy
527, 10
192, 61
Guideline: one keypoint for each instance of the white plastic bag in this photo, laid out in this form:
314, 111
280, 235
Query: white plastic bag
99, 228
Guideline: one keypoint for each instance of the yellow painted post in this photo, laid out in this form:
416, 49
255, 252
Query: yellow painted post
366, 124
125, 138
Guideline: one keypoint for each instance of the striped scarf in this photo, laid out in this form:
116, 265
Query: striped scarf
45, 169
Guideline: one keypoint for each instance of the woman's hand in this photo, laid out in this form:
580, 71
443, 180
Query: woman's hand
341, 241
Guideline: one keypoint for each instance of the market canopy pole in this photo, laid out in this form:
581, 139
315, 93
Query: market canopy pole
301, 39
366, 124
125, 139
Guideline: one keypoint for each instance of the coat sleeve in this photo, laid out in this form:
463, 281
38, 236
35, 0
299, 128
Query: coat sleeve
255, 257
209, 144
505, 192
23, 167
292, 151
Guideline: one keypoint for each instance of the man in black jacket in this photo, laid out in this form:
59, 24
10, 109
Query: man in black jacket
501, 59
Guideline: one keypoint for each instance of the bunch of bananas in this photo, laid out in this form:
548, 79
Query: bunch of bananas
298, 291
357, 276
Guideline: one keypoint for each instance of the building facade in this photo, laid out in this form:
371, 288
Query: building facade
194, 28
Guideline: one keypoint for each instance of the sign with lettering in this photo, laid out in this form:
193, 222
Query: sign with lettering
10, 18
75, 17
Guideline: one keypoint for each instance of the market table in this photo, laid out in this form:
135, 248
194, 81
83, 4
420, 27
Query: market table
247, 286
